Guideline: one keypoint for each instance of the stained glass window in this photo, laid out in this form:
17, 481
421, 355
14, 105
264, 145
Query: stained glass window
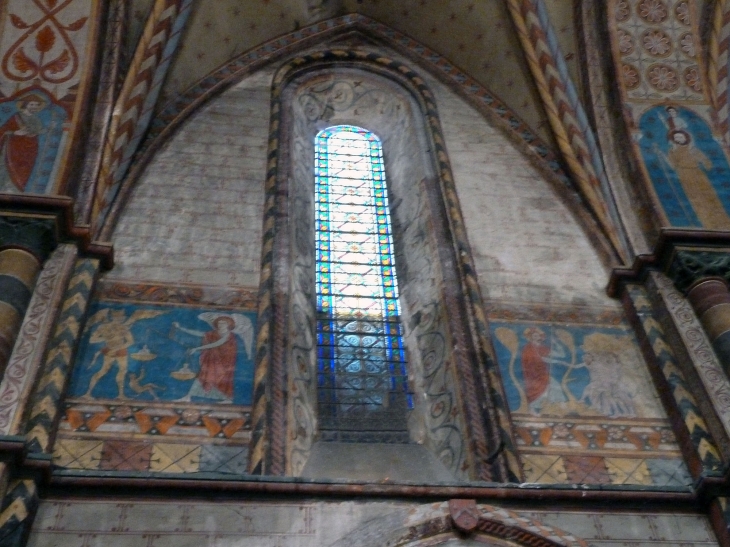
363, 393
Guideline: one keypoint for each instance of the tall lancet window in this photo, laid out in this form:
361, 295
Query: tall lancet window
363, 393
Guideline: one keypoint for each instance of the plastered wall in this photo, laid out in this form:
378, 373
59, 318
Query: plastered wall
146, 395
195, 215
191, 233
584, 409
526, 244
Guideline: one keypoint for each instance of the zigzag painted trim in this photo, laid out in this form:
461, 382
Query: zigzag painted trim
266, 433
141, 88
45, 403
599, 86
717, 63
25, 362
102, 115
565, 114
175, 112
698, 433
18, 510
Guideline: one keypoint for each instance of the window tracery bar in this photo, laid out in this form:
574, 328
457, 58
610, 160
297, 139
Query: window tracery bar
363, 393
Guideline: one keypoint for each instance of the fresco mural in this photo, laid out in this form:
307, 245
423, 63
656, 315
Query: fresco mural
563, 370
162, 381
47, 59
161, 353
583, 406
688, 168
31, 127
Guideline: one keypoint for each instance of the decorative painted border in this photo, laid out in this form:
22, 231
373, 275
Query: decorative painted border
101, 117
706, 459
176, 293
698, 346
644, 438
718, 64
149, 456
566, 115
269, 428
133, 109
644, 469
555, 314
179, 109
45, 404
133, 419
20, 505
720, 518
34, 333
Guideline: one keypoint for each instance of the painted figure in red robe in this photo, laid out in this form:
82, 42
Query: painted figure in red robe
535, 370
19, 142
537, 358
217, 361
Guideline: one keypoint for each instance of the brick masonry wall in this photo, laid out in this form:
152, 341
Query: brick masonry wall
195, 216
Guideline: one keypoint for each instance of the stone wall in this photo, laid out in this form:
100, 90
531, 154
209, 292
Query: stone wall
195, 215
137, 523
526, 244
193, 228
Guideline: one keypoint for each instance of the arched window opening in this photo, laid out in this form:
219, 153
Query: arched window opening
336, 375
363, 393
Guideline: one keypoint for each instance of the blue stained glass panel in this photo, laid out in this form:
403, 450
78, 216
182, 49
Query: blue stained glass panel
362, 382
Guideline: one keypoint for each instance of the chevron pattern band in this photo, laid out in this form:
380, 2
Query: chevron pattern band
706, 459
137, 99
45, 403
717, 63
566, 115
18, 510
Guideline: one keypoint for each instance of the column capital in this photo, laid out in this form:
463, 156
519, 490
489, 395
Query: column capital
26, 219
685, 256
691, 265
36, 234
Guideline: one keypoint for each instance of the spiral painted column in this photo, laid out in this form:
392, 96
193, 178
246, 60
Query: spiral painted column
25, 243
710, 299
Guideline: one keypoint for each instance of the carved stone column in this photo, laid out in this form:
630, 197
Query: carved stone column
25, 243
710, 299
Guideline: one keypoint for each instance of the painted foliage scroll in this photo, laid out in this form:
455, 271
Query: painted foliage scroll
668, 111
45, 75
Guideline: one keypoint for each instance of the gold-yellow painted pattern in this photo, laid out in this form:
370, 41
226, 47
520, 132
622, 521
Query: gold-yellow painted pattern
21, 265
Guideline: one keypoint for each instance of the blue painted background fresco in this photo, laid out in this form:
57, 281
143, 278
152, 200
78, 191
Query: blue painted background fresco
655, 126
583, 364
158, 352
52, 117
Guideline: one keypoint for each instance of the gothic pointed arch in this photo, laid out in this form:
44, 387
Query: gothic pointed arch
357, 28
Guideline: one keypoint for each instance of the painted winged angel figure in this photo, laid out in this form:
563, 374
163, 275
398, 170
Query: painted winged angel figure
218, 353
